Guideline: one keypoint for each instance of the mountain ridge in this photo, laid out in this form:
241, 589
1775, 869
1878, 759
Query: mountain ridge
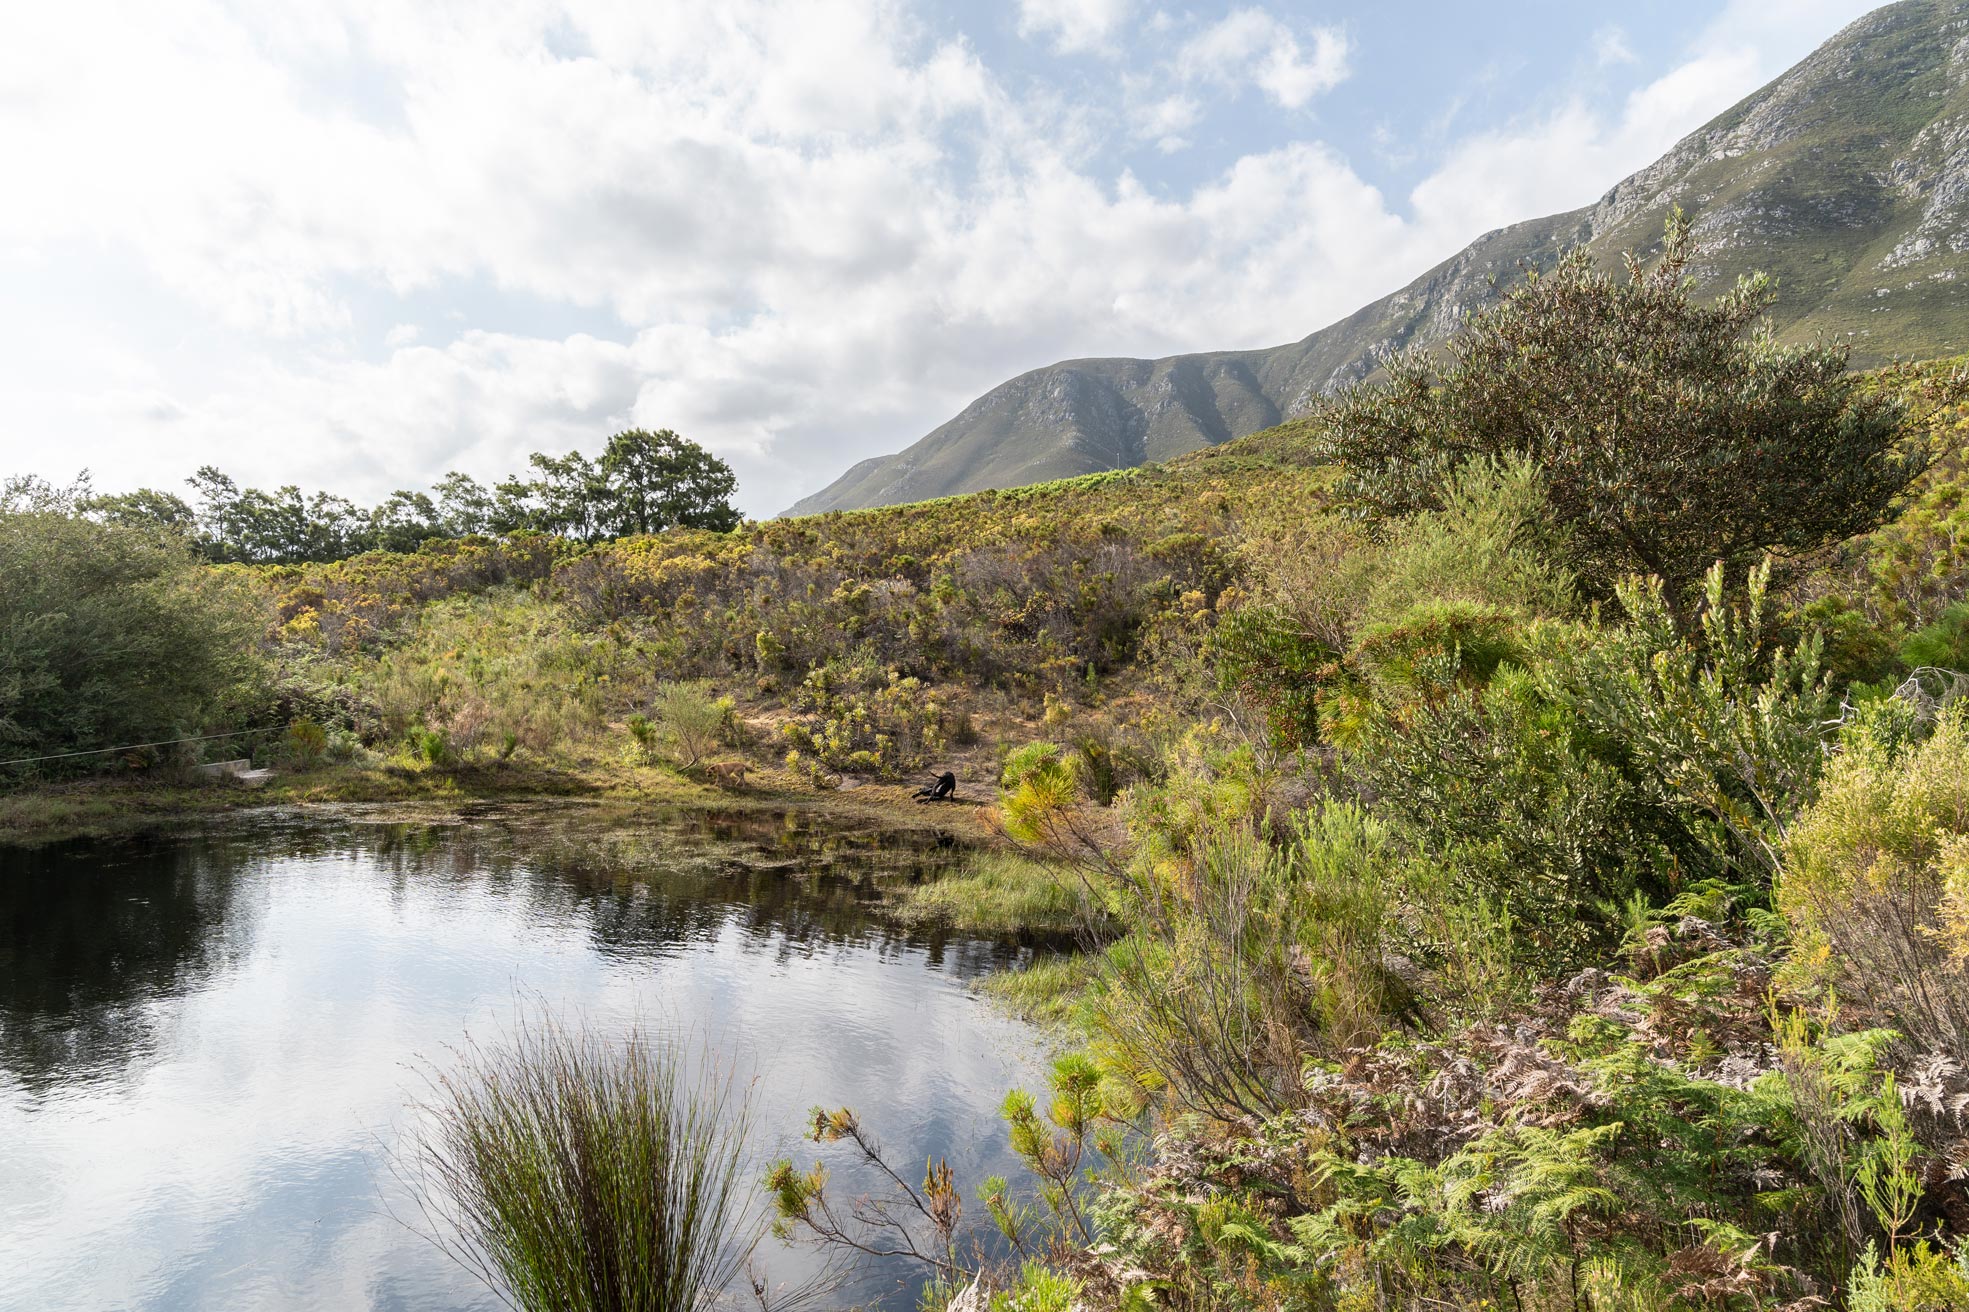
1846, 178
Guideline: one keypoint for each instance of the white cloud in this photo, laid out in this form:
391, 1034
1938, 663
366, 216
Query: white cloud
1250, 45
1165, 120
800, 233
1074, 25
1611, 48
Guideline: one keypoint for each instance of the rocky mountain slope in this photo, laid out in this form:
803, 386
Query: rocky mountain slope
1847, 178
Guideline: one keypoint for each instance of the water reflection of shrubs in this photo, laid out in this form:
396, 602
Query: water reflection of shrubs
91, 930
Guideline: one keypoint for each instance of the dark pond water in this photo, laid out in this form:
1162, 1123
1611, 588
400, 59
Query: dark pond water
209, 1044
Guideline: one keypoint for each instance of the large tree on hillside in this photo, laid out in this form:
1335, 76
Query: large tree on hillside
569, 498
1671, 433
660, 480
145, 508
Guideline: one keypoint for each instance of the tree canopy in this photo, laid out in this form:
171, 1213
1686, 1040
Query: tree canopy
109, 633
643, 482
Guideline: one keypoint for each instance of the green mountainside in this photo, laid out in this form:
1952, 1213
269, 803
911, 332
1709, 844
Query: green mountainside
1847, 179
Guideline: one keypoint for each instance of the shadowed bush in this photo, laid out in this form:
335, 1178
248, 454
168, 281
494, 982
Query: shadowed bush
111, 635
569, 1173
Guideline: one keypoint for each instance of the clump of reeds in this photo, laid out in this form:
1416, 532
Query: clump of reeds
572, 1173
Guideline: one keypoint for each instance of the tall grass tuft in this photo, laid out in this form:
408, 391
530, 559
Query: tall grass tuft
570, 1173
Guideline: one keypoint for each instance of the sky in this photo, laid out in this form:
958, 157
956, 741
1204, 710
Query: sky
355, 244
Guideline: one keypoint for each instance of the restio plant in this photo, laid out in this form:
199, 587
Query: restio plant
571, 1171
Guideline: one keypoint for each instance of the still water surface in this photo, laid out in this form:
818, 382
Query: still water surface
209, 1044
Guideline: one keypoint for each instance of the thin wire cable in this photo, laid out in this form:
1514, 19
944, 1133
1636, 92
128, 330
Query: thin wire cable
131, 747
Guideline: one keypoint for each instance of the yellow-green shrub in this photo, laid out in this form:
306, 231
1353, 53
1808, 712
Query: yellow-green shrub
858, 717
1876, 877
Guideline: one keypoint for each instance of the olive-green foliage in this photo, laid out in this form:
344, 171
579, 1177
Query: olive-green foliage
364, 602
1039, 1290
1876, 877
1559, 770
1905, 573
1245, 956
1039, 781
1434, 649
854, 715
1506, 788
487, 676
1026, 591
1491, 543
1002, 893
1669, 434
1916, 1277
1854, 649
1944, 644
305, 743
686, 722
112, 635
1262, 656
1715, 726
1444, 585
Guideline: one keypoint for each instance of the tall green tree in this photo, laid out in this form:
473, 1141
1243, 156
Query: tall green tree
569, 496
660, 480
1670, 433
218, 513
403, 521
270, 526
336, 527
463, 504
144, 508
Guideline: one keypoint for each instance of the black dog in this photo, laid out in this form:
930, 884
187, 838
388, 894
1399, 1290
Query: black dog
943, 790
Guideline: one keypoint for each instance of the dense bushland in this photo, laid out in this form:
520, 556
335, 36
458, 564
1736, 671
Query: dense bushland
871, 639
1508, 921
1670, 433
1522, 863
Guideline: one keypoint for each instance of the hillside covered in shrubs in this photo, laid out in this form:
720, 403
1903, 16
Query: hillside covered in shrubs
1517, 817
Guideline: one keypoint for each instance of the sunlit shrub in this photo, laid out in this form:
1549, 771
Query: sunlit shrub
1876, 880
1247, 957
494, 675
304, 744
1944, 643
1492, 543
685, 723
855, 716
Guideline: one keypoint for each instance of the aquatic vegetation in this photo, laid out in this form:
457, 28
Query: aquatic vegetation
569, 1172
1003, 893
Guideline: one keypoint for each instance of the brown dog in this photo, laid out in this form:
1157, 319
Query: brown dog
727, 774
